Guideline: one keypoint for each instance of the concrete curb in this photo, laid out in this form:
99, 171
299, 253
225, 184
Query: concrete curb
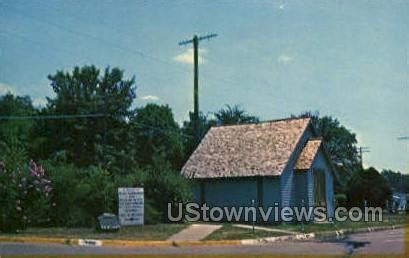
108, 242
266, 240
318, 235
341, 233
159, 243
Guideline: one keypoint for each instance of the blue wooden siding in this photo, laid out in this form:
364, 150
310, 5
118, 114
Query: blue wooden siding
195, 186
291, 186
310, 187
321, 163
287, 177
228, 192
236, 192
271, 194
300, 189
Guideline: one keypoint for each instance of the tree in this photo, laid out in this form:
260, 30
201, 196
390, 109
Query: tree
18, 129
156, 135
14, 133
25, 196
339, 141
188, 129
369, 185
89, 140
233, 115
397, 181
165, 185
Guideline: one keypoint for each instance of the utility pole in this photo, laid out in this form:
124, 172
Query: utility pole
403, 138
195, 41
363, 150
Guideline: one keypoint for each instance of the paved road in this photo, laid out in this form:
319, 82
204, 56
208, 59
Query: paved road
381, 242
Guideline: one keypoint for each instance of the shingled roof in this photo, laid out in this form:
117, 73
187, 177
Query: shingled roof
261, 149
308, 154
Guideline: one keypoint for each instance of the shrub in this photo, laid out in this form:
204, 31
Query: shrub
164, 186
161, 185
25, 197
81, 194
368, 185
340, 200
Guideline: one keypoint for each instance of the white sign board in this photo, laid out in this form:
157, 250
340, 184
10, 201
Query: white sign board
130, 206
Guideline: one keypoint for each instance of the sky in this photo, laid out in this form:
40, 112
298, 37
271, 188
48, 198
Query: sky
347, 59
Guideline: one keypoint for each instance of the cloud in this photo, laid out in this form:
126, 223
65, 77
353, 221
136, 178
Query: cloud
40, 102
282, 6
284, 59
150, 97
187, 56
5, 88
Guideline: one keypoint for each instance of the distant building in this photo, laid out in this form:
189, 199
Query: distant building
281, 161
399, 201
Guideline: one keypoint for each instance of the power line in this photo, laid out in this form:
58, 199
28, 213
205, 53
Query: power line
62, 117
113, 45
162, 130
139, 73
116, 46
25, 38
52, 117
96, 38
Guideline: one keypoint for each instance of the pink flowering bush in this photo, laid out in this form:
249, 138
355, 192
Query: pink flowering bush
25, 197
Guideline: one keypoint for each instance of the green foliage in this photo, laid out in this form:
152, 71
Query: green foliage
81, 194
189, 139
397, 181
14, 133
152, 214
341, 200
25, 196
15, 106
156, 134
92, 140
368, 185
13, 152
164, 185
340, 143
233, 115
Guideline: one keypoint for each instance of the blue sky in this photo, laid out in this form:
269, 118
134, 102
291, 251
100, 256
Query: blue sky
348, 59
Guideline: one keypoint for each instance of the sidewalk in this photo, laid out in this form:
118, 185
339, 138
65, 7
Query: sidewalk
194, 232
267, 229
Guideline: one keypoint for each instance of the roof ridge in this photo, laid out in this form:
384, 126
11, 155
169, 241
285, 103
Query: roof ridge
267, 121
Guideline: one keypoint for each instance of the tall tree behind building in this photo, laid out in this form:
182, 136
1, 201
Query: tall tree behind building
89, 140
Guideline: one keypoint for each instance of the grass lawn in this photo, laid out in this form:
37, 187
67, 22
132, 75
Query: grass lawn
228, 232
387, 220
146, 232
